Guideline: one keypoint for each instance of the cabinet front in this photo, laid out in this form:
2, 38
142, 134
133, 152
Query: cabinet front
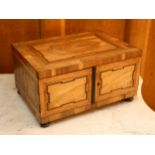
65, 92
116, 81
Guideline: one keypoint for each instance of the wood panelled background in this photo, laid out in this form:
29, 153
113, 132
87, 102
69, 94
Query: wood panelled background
136, 32
148, 87
115, 28
50, 27
14, 31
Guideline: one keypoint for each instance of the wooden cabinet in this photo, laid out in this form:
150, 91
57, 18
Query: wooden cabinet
64, 76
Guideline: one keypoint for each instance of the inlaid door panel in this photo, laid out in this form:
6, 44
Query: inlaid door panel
72, 91
116, 79
66, 91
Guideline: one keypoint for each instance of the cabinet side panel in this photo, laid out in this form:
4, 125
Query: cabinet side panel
26, 82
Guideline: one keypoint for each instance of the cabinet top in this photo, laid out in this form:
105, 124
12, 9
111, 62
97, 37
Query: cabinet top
78, 50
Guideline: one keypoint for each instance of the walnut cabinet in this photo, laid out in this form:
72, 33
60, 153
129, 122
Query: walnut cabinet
63, 76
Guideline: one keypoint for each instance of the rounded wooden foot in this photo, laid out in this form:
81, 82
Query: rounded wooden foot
129, 99
44, 125
18, 92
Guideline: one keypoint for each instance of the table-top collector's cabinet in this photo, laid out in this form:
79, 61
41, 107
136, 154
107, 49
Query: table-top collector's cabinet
63, 76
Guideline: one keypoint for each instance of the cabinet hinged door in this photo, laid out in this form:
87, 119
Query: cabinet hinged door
117, 79
66, 91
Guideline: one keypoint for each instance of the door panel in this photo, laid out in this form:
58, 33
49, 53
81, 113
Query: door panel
65, 92
72, 91
116, 79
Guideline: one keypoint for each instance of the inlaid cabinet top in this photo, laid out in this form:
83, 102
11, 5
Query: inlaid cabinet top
75, 49
71, 47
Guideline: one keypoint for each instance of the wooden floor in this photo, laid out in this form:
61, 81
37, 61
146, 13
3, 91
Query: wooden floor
123, 118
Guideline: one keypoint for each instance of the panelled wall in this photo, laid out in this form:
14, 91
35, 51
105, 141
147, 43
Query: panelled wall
114, 27
133, 31
137, 34
148, 87
13, 31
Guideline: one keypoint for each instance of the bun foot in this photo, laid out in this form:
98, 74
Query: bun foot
129, 99
44, 125
18, 92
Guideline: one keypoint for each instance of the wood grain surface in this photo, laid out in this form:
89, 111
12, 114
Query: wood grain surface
15, 31
137, 34
114, 27
45, 55
148, 86
120, 78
